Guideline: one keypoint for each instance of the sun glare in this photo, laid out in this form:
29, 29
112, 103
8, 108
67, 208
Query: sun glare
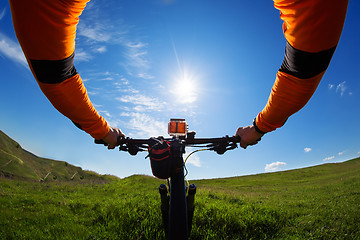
185, 89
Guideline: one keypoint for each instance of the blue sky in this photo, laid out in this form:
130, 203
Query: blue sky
210, 62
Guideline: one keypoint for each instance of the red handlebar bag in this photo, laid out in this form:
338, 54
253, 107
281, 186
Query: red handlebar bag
160, 159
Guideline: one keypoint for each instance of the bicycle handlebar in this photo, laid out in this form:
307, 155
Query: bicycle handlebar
219, 145
226, 139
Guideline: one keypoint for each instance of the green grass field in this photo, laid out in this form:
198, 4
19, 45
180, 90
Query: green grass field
321, 202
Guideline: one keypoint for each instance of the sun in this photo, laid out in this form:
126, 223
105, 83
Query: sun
185, 88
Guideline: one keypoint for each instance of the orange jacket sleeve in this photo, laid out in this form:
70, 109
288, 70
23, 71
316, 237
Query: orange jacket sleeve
312, 29
46, 32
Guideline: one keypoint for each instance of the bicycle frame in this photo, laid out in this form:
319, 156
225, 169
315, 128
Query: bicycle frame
178, 219
177, 209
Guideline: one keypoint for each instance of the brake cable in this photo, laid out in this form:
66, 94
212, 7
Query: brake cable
187, 184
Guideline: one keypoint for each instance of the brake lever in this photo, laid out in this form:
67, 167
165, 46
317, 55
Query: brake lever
123, 148
221, 148
232, 146
131, 149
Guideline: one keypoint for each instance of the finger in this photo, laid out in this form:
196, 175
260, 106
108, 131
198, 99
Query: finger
244, 146
122, 135
111, 146
238, 131
254, 143
119, 132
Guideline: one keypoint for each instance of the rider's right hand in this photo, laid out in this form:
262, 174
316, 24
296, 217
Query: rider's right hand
113, 136
249, 136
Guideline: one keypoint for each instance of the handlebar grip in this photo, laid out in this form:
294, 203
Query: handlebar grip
100, 141
236, 139
120, 141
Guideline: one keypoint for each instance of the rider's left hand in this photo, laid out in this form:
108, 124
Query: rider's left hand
113, 136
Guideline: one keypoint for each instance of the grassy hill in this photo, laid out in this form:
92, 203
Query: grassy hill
320, 202
16, 162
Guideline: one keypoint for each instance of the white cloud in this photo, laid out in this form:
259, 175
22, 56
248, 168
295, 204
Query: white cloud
95, 27
142, 103
307, 149
144, 126
100, 49
341, 88
97, 105
96, 33
125, 81
275, 166
81, 55
145, 76
341, 153
135, 45
137, 63
328, 158
92, 93
193, 160
12, 50
127, 90
105, 113
106, 79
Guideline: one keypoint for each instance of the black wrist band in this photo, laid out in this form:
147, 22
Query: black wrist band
256, 128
